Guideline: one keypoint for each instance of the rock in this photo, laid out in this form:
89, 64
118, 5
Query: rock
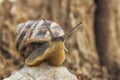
42, 72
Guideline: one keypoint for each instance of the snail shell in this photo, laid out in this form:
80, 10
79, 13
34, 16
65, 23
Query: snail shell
33, 40
41, 40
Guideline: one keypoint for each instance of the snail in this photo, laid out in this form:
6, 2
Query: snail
41, 40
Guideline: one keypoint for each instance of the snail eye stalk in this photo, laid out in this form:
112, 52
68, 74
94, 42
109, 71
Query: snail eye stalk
71, 30
48, 27
65, 35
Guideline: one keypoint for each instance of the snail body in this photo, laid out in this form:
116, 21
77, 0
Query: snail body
41, 40
54, 54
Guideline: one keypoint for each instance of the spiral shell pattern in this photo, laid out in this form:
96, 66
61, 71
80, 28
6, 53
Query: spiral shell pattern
35, 31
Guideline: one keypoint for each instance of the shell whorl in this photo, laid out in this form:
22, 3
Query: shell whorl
35, 31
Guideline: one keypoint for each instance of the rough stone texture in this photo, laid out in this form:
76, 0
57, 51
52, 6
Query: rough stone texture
42, 72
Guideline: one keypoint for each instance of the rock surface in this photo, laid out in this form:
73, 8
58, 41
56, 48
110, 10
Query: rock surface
42, 72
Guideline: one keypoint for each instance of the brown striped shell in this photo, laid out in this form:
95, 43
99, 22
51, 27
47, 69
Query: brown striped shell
35, 31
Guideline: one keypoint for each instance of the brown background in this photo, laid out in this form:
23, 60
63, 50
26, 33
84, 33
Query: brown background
94, 50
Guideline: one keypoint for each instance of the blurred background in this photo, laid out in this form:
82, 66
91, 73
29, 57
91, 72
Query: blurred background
93, 52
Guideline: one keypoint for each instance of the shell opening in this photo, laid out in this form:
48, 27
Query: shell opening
31, 47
